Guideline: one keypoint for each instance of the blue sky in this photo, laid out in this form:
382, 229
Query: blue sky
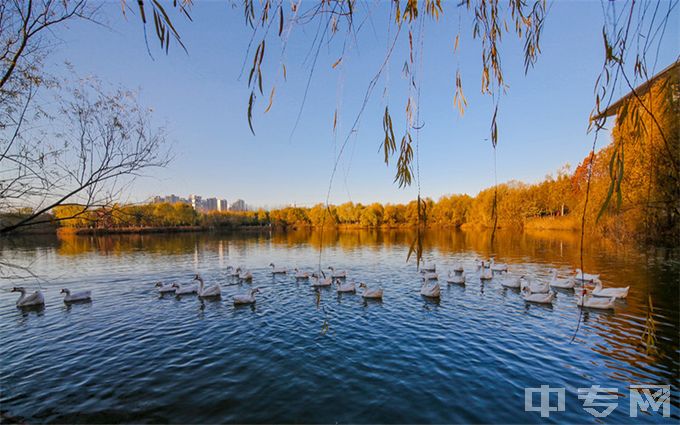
198, 96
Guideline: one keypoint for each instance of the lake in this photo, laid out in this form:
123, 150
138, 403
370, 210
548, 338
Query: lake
301, 355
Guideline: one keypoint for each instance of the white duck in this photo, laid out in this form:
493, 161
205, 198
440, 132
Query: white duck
232, 271
299, 274
244, 274
341, 274
345, 287
498, 267
372, 293
430, 276
34, 299
249, 298
165, 287
71, 297
590, 301
599, 291
431, 268
534, 287
207, 291
539, 298
585, 277
317, 282
458, 278
430, 290
485, 274
279, 270
555, 282
511, 281
185, 289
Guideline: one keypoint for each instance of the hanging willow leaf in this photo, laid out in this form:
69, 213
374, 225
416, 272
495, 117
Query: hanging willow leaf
494, 128
271, 100
280, 20
337, 62
250, 111
455, 43
389, 145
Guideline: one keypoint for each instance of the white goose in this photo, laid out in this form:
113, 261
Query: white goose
299, 274
339, 274
555, 282
371, 293
590, 301
249, 298
458, 278
244, 274
71, 297
498, 267
345, 287
190, 288
317, 282
165, 287
34, 299
585, 277
279, 270
207, 291
431, 268
232, 271
511, 281
430, 290
540, 298
599, 291
430, 276
485, 274
534, 287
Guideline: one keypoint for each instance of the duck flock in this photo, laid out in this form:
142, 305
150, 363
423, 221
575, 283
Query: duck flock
588, 287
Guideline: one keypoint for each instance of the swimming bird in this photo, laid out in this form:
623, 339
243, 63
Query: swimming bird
555, 282
299, 274
232, 271
275, 270
458, 278
76, 296
207, 291
589, 301
165, 287
244, 274
430, 276
249, 298
539, 298
534, 287
185, 289
585, 277
458, 269
431, 268
318, 282
485, 274
511, 281
345, 287
34, 299
498, 267
430, 290
599, 291
375, 294
337, 275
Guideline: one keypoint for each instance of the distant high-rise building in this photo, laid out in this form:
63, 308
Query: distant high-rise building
210, 204
238, 205
222, 205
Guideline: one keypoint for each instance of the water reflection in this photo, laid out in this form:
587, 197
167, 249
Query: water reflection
313, 355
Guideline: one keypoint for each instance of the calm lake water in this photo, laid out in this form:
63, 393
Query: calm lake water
132, 356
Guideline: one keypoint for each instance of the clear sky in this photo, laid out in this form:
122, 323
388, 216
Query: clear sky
542, 121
